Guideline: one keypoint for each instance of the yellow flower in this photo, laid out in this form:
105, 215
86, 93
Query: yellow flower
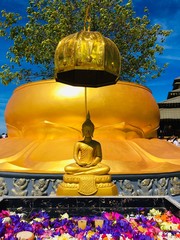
38, 219
141, 229
168, 226
89, 234
64, 236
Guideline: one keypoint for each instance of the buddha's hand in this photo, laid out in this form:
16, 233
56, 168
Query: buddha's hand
94, 162
82, 164
90, 165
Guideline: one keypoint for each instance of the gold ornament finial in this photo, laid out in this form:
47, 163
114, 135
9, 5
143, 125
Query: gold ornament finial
87, 19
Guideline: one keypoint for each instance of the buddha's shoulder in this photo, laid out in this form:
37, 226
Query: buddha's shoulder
95, 143
92, 142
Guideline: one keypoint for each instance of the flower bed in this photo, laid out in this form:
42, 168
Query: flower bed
154, 224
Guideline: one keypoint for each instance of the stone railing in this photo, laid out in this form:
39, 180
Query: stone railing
18, 184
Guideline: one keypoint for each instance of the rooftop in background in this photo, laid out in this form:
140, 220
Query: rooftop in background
170, 111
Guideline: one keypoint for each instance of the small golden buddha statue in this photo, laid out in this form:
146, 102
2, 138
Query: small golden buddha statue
87, 176
87, 154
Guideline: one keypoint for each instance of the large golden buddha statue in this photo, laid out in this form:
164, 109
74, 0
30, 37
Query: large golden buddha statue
44, 121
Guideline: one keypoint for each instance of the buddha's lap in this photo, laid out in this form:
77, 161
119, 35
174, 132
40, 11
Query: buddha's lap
73, 167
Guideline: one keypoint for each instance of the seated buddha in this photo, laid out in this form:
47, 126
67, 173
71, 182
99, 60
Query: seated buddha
87, 176
87, 154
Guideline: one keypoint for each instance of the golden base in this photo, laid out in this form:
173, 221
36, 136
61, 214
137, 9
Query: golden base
87, 185
104, 191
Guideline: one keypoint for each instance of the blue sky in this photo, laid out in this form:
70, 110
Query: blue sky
163, 12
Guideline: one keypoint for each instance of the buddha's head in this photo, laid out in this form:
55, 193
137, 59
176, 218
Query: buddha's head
88, 127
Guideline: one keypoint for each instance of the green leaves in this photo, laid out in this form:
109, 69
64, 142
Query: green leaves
48, 21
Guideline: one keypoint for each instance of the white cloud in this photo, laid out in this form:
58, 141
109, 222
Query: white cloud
171, 47
169, 57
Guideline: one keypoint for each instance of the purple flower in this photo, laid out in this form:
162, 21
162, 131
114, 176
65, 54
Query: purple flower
22, 226
40, 214
12, 237
2, 229
114, 224
15, 219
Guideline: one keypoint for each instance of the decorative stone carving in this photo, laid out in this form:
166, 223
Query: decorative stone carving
145, 187
127, 188
175, 186
55, 184
3, 187
39, 187
20, 185
161, 187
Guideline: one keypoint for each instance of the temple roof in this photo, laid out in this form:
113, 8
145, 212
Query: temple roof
176, 90
171, 100
178, 78
170, 108
176, 83
170, 113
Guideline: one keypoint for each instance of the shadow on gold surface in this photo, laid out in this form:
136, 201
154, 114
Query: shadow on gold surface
44, 121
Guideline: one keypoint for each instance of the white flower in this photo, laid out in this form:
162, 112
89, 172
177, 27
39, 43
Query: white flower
154, 212
64, 236
6, 220
12, 213
65, 215
21, 215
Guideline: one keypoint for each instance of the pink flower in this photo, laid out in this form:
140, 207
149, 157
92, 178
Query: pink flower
46, 234
80, 235
4, 213
174, 219
61, 230
112, 216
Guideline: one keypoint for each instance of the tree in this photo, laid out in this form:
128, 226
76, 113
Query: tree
48, 21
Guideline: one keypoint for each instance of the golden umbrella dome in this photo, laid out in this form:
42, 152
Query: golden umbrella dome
87, 58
